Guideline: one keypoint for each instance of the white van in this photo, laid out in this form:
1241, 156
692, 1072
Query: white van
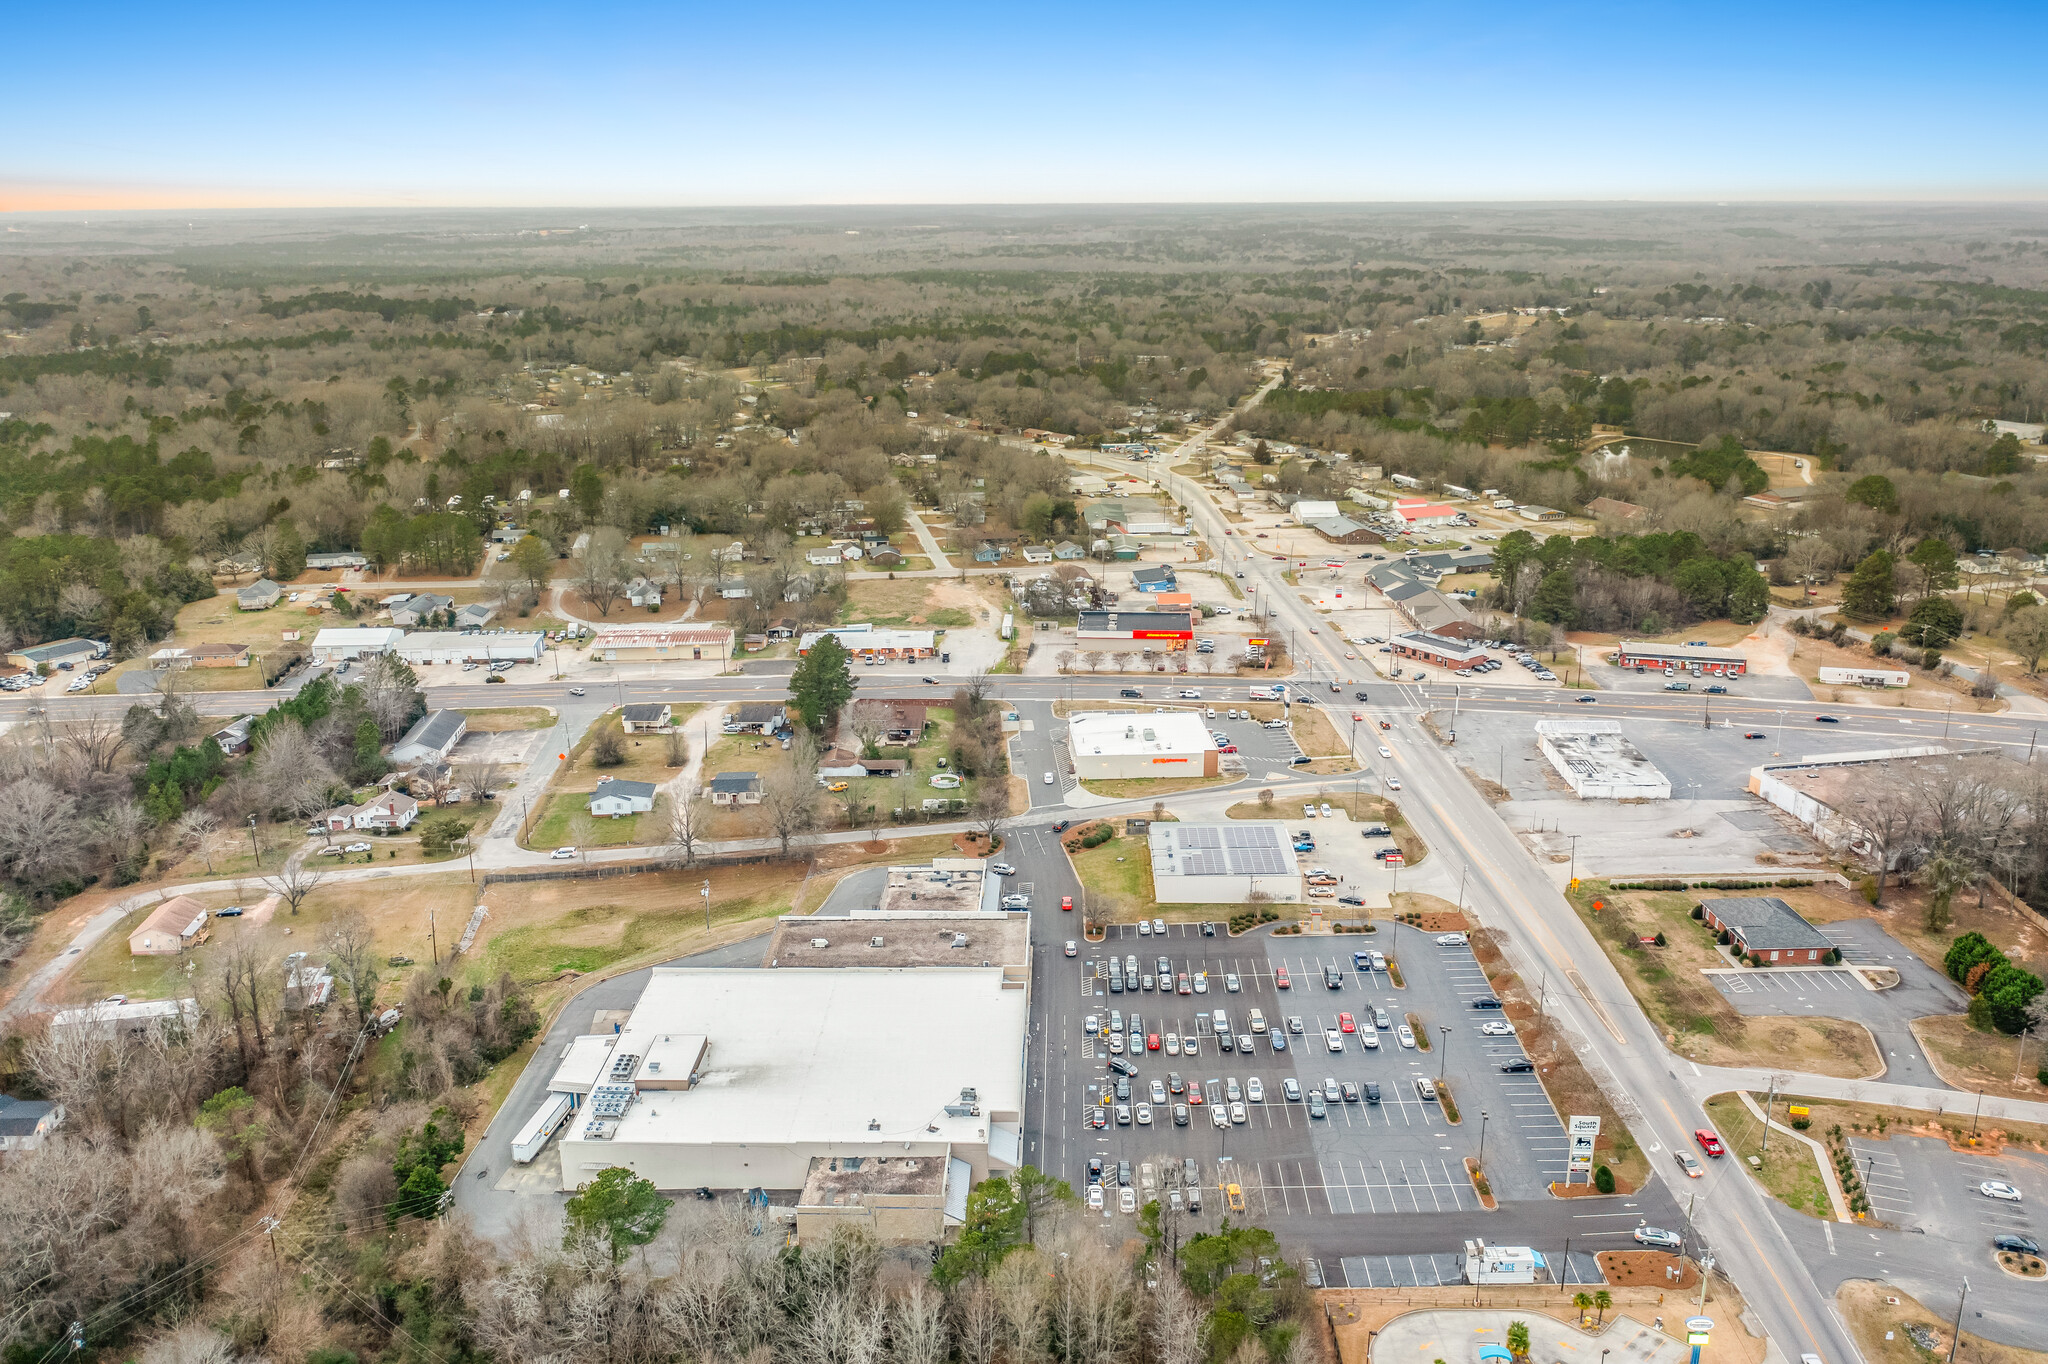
1258, 1022
1221, 1019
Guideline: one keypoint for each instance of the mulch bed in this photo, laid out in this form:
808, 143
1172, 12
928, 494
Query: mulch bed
1647, 1268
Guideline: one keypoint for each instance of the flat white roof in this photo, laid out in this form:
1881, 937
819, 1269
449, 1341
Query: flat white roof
815, 1057
344, 637
1128, 732
863, 637
584, 1063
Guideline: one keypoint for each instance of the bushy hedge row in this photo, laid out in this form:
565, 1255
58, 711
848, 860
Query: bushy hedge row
1787, 881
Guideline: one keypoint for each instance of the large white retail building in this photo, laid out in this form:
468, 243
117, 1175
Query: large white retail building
736, 1079
1105, 746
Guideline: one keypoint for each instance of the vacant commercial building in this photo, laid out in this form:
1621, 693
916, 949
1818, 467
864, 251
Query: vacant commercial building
924, 1064
1598, 762
1105, 746
352, 642
1223, 863
864, 641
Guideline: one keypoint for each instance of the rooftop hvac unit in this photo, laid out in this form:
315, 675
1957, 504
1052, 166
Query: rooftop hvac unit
821, 942
874, 942
959, 940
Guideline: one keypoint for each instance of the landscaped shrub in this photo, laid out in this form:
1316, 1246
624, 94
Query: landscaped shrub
1699, 912
1603, 1179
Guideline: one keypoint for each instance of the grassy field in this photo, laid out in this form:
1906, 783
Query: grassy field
1972, 1060
507, 718
551, 830
1118, 881
906, 603
397, 912
1693, 1017
585, 926
1904, 915
189, 680
1789, 1173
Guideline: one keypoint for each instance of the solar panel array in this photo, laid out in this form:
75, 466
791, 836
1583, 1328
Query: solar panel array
1213, 851
611, 1101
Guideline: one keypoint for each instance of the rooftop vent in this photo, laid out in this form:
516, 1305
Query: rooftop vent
874, 942
874, 1124
959, 940
821, 942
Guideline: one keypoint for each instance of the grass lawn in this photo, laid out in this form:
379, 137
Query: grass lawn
1904, 915
646, 755
551, 830
1694, 1018
901, 603
189, 680
1131, 788
503, 719
1789, 1173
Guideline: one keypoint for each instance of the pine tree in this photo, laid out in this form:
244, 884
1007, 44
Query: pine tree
1870, 594
822, 684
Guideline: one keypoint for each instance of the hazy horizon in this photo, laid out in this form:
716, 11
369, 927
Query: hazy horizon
643, 106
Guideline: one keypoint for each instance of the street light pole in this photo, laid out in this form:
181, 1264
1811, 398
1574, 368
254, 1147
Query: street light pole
1445, 1055
1482, 1139
1575, 856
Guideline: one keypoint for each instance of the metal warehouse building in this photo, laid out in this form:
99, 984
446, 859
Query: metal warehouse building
1223, 863
1130, 744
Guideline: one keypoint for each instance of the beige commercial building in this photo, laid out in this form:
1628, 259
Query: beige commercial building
1133, 744
745, 1079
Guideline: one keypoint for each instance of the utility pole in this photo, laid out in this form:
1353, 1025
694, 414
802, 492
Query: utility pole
1955, 1337
706, 893
1575, 857
270, 1226
433, 944
1770, 1102
254, 851
1980, 1111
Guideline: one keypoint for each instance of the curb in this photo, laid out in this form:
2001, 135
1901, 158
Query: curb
1820, 1156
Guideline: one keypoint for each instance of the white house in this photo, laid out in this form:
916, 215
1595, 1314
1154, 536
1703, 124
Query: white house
260, 595
641, 592
614, 798
392, 810
25, 1122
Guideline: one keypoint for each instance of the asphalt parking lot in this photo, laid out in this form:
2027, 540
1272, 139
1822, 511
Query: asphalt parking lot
1839, 993
1399, 1156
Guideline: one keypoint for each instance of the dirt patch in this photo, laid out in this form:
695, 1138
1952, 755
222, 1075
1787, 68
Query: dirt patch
509, 718
1972, 1060
1430, 914
1875, 1311
1632, 1268
1492, 791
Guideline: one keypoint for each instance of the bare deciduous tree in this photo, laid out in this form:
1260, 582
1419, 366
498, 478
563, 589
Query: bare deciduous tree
294, 883
602, 574
349, 956
481, 777
689, 816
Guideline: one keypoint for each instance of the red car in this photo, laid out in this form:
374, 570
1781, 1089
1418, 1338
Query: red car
1195, 1099
1151, 1041
1227, 748
1066, 902
1347, 1022
1280, 977
1709, 1143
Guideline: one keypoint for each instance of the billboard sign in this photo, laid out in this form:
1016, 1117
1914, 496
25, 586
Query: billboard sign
1584, 1131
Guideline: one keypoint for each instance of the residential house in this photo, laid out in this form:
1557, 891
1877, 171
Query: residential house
234, 738
988, 552
333, 561
757, 717
25, 1122
829, 554
614, 798
475, 616
173, 926
736, 788
883, 767
642, 717
840, 764
433, 737
754, 644
885, 556
643, 592
1037, 554
508, 535
260, 595
420, 609
782, 629
390, 811
1068, 550
1766, 928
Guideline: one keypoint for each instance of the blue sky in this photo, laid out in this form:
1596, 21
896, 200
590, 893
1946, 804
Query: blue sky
514, 103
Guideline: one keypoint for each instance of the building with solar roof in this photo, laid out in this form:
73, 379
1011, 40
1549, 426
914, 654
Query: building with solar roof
1223, 863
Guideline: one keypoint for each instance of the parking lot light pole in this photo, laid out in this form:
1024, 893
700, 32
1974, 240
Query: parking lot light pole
1980, 1110
1445, 1055
1482, 1139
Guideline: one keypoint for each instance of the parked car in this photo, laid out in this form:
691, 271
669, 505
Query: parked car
561, 855
1658, 1238
1520, 1065
1450, 940
1999, 1189
1002, 869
